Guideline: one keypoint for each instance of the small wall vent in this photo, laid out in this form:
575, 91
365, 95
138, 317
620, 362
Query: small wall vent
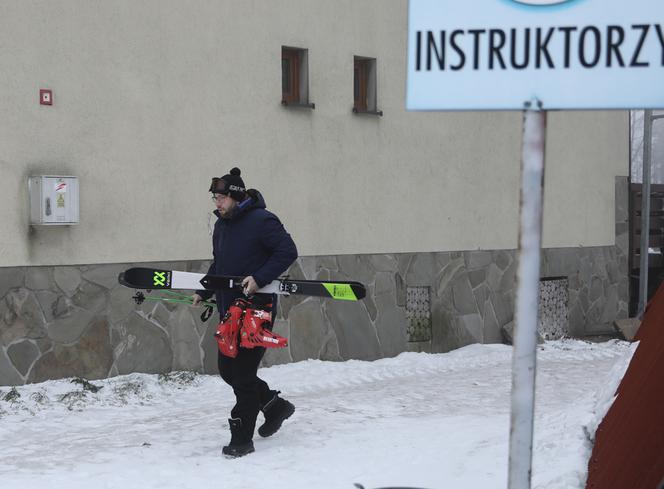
418, 313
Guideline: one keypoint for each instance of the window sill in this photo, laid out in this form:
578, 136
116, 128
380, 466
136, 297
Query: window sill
368, 112
309, 105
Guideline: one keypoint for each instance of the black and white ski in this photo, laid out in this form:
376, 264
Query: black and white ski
153, 279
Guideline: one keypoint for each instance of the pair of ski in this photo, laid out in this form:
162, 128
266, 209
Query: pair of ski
154, 279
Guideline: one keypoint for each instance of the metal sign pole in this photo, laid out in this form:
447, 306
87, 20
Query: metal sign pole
645, 212
525, 334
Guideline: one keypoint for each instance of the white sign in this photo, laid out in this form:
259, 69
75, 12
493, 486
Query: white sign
569, 54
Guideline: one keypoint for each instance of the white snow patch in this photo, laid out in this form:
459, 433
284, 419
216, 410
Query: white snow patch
606, 394
416, 420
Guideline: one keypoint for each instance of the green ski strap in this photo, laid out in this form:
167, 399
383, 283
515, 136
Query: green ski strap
208, 306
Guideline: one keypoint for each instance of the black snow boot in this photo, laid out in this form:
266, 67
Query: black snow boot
276, 411
241, 443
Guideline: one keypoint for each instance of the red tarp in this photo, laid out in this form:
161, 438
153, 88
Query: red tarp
629, 445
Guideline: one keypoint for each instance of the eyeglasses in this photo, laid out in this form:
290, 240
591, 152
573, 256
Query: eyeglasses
218, 197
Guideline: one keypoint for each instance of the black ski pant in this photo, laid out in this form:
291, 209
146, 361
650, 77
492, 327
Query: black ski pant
251, 393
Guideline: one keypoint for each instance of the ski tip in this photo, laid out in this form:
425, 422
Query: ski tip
126, 278
345, 291
145, 278
359, 290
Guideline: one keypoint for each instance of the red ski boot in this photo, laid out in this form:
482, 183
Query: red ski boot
253, 334
228, 329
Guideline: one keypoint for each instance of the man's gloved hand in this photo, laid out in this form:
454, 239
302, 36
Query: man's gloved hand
196, 300
249, 286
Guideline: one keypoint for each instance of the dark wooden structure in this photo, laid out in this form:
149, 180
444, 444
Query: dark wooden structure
629, 443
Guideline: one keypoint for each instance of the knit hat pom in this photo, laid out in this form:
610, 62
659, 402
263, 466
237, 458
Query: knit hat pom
235, 171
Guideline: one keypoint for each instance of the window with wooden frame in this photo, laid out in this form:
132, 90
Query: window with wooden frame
295, 77
364, 86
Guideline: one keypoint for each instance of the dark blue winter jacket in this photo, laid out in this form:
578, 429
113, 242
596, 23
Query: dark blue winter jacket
251, 242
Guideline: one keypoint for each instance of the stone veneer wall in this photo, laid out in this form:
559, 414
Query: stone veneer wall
77, 321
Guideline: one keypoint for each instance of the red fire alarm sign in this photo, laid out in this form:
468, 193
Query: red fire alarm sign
46, 97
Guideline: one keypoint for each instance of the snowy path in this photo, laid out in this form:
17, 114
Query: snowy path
431, 421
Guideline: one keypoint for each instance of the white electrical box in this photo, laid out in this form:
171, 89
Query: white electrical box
53, 200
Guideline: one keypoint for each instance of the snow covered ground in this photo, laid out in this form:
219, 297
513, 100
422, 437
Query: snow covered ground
417, 420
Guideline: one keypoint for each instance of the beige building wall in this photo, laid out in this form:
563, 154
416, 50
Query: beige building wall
154, 97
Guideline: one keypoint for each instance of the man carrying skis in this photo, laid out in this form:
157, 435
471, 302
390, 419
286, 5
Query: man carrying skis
251, 242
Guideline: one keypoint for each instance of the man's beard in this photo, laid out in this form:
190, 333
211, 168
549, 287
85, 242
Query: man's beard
227, 214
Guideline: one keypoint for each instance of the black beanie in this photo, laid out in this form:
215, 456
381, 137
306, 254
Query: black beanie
230, 184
